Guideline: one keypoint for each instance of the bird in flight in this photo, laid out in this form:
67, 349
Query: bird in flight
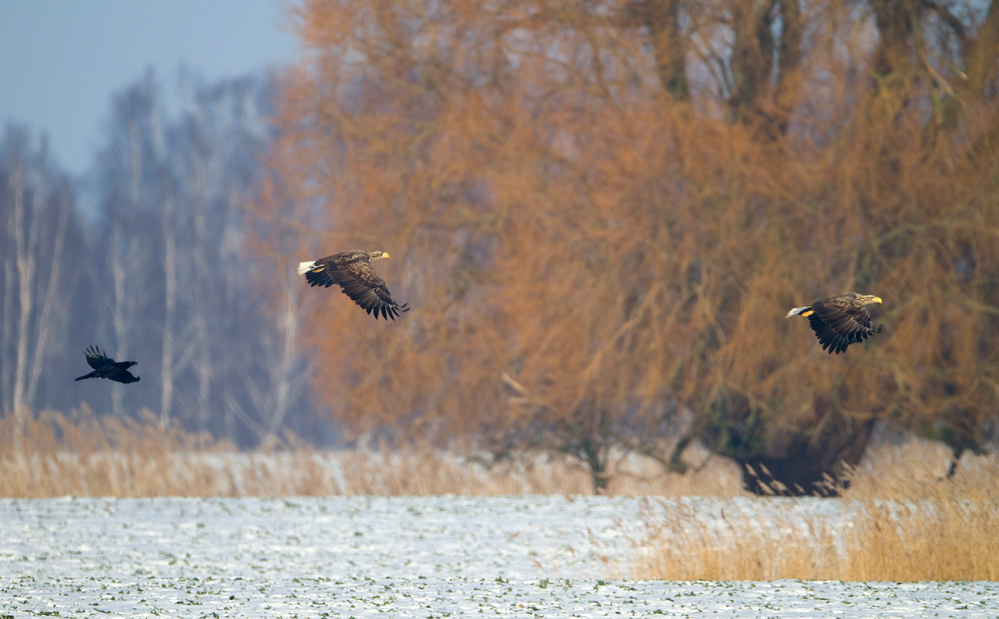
840, 320
352, 271
106, 367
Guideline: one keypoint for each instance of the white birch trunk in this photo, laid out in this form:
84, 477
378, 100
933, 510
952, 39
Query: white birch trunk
170, 276
204, 369
25, 271
51, 300
284, 375
7, 328
121, 311
166, 204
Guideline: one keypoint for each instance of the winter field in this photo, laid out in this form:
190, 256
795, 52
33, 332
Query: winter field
428, 556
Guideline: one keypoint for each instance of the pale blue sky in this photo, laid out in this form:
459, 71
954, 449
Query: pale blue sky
61, 60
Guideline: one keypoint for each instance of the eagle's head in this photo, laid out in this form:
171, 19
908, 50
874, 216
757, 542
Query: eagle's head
867, 299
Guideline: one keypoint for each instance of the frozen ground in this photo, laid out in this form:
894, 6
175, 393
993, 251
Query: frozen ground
399, 557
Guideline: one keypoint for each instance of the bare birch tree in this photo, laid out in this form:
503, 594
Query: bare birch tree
37, 215
24, 271
129, 252
163, 271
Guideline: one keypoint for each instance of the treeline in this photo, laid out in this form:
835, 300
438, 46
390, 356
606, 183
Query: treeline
150, 258
602, 211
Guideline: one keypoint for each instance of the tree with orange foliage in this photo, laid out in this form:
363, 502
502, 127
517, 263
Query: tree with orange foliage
600, 213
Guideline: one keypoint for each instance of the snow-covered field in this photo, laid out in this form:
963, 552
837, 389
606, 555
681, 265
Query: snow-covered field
444, 556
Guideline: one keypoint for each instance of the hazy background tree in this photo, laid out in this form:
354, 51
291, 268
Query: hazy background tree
135, 200
158, 268
39, 235
602, 211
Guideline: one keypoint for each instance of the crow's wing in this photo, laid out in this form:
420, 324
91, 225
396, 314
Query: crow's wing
97, 359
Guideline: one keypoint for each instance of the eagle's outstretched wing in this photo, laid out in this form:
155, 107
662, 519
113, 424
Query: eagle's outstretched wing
836, 329
840, 320
361, 283
353, 272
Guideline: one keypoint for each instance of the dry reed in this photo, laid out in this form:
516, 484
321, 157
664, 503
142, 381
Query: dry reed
899, 521
83, 455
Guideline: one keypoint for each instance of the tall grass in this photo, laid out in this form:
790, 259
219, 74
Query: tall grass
911, 525
84, 455
898, 521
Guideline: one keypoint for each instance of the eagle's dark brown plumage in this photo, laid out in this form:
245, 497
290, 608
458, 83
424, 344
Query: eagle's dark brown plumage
840, 320
106, 367
352, 271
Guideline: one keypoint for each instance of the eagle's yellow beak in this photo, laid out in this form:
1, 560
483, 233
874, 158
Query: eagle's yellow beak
877, 299
385, 255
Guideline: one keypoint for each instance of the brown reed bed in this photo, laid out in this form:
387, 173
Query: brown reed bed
86, 455
898, 521
869, 541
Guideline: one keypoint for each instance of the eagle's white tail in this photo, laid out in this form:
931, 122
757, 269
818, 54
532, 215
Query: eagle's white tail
793, 312
305, 267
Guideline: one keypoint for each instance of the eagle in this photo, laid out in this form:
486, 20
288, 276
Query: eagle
106, 367
352, 271
840, 320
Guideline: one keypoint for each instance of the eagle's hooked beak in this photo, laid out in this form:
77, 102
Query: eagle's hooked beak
877, 299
